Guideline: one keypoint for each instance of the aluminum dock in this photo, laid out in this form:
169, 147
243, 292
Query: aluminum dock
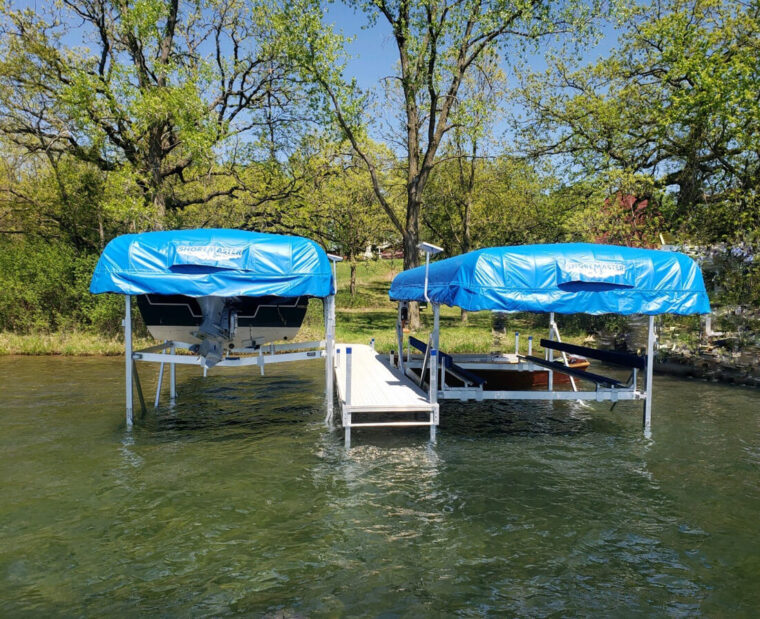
369, 386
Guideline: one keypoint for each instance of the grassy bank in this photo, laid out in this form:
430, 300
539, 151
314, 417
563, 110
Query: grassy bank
366, 315
75, 343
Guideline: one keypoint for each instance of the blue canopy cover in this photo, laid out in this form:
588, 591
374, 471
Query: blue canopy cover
209, 262
564, 278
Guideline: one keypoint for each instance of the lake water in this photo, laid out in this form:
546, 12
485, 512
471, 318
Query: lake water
240, 500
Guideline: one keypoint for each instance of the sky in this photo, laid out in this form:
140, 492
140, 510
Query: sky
373, 53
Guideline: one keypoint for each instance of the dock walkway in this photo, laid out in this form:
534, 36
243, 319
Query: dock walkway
367, 383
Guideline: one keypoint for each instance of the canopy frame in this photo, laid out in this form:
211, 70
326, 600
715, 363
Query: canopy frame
438, 388
165, 354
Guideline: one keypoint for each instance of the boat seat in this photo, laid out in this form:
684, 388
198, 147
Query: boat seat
448, 362
624, 359
556, 366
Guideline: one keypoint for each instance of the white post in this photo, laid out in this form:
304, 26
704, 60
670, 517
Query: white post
160, 380
128, 353
436, 325
434, 363
400, 337
530, 345
172, 378
517, 342
329, 355
550, 352
649, 376
348, 375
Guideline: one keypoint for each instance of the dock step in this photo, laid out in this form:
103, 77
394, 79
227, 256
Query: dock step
367, 383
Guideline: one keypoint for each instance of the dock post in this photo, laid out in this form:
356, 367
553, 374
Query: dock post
433, 397
128, 354
517, 342
329, 355
172, 377
530, 345
649, 377
400, 337
434, 363
348, 375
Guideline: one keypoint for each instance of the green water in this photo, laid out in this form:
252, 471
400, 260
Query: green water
239, 500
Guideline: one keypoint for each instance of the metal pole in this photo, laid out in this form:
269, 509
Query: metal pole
555, 328
160, 380
172, 378
400, 338
329, 355
348, 375
550, 352
650, 373
436, 325
433, 397
434, 362
427, 269
128, 354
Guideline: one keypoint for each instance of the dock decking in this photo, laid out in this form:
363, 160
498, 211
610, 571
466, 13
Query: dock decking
368, 384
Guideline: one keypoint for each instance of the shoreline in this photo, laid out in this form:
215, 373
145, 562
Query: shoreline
740, 369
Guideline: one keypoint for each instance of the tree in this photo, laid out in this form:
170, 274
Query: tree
161, 92
438, 43
676, 101
337, 205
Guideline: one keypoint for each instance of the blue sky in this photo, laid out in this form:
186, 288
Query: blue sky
373, 51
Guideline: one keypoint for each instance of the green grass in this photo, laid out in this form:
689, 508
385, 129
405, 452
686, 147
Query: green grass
369, 314
70, 343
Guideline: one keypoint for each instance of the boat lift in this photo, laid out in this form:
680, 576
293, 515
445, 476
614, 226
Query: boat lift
562, 278
212, 266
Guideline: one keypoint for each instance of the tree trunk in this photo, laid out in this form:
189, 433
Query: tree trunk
159, 205
353, 278
411, 252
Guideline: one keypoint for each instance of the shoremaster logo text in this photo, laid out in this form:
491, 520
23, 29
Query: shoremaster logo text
209, 252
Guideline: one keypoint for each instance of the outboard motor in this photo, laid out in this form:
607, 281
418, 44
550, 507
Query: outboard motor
216, 329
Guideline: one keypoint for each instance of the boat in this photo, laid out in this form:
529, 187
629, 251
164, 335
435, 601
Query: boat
241, 322
498, 379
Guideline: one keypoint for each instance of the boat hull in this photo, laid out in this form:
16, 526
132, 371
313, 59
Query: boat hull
499, 379
258, 320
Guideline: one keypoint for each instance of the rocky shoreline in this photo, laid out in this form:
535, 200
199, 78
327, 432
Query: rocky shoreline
708, 363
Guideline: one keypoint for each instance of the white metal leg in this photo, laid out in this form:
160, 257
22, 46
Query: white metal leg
172, 377
128, 355
348, 375
160, 381
649, 377
550, 352
329, 355
400, 338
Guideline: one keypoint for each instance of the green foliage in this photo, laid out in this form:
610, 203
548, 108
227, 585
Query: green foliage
45, 288
676, 101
